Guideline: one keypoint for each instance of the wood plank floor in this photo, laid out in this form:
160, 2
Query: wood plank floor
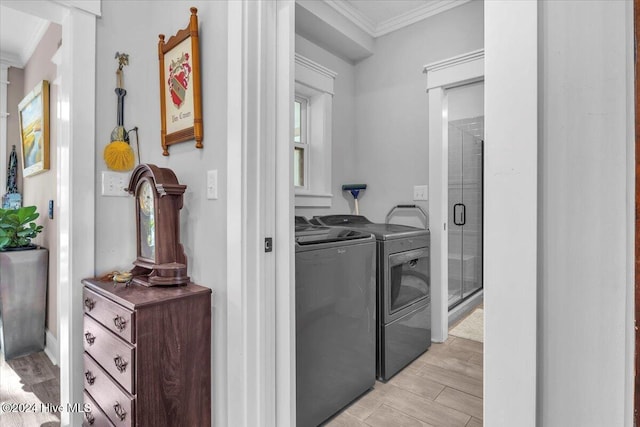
32, 381
443, 387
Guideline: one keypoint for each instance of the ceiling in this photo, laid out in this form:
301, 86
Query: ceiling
20, 33
381, 17
349, 28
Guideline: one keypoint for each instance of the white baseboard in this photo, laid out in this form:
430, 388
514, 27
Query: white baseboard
51, 347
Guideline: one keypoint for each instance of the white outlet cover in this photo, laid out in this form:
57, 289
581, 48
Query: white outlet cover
420, 192
114, 184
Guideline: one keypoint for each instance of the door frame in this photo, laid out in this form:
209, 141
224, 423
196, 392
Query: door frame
260, 302
442, 75
636, 31
75, 180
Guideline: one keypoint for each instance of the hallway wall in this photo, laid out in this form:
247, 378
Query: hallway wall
133, 28
38, 189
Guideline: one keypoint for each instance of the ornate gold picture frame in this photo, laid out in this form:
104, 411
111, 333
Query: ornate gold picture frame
34, 130
180, 90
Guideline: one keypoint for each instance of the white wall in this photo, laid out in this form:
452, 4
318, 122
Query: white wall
38, 189
583, 264
343, 157
392, 104
133, 27
15, 93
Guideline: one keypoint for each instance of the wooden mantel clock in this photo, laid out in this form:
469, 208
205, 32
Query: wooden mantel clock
160, 256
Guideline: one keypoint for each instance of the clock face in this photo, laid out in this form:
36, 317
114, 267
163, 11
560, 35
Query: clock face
147, 224
145, 198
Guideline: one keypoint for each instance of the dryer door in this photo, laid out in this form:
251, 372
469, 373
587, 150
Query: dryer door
407, 282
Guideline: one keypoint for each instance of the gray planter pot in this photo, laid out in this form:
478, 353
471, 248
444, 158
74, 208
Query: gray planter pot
23, 301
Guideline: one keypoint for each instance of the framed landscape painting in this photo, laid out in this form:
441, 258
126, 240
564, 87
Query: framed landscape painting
33, 115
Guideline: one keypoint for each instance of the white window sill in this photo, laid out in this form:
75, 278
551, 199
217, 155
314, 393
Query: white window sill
313, 200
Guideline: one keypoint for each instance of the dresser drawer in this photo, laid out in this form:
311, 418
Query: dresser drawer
116, 356
94, 417
112, 315
115, 402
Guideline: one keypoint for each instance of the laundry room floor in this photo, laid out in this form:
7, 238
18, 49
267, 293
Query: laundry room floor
443, 387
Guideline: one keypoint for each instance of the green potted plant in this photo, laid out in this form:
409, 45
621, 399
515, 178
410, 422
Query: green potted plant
18, 227
23, 283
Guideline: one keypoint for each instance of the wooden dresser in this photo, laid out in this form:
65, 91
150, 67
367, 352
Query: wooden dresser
147, 359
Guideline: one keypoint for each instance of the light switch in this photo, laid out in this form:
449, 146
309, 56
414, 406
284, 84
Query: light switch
115, 184
212, 184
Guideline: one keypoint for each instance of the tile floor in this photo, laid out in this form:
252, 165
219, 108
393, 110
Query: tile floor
443, 387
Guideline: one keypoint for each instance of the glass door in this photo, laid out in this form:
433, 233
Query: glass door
465, 207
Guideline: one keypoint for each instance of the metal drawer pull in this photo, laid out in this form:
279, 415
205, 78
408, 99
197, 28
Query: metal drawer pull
90, 377
121, 364
120, 323
120, 412
89, 337
90, 418
89, 303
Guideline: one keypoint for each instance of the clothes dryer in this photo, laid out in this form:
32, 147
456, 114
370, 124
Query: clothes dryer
403, 290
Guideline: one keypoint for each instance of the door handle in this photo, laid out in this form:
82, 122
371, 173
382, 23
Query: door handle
459, 212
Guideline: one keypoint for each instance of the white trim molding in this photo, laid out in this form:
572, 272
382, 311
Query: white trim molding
511, 214
251, 215
387, 26
442, 75
51, 348
314, 66
285, 327
10, 60
315, 83
455, 70
313, 200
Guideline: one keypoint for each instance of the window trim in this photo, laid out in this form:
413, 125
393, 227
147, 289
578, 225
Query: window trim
315, 83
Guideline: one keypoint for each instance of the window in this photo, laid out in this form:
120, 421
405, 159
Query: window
312, 108
300, 152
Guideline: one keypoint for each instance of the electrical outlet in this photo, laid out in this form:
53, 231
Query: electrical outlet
420, 192
212, 184
115, 184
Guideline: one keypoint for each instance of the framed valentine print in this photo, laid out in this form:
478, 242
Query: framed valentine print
180, 92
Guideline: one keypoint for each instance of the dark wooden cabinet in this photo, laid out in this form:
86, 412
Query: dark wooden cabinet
147, 359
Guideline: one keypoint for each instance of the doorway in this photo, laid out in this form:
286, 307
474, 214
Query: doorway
76, 175
465, 210
465, 137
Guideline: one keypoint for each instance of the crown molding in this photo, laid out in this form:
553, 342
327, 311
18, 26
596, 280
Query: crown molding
429, 9
354, 15
31, 44
10, 60
416, 15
